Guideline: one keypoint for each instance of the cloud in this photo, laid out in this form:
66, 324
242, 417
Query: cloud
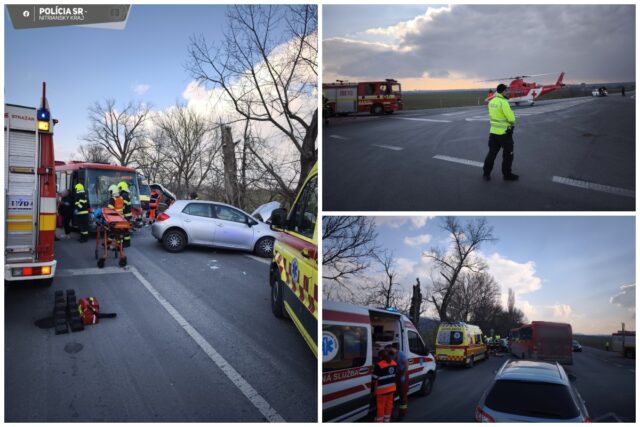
141, 89
626, 298
420, 240
521, 277
558, 312
463, 40
417, 222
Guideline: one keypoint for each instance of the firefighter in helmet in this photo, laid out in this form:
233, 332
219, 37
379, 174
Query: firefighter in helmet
126, 210
82, 212
115, 200
502, 122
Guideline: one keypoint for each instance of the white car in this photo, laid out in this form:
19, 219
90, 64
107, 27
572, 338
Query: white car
204, 223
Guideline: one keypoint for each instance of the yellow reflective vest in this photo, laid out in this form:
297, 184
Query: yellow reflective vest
500, 115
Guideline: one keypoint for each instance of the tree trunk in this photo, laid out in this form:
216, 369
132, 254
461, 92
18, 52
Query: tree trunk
230, 167
308, 153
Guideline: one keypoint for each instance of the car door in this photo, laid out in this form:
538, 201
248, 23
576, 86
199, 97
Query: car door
232, 228
198, 223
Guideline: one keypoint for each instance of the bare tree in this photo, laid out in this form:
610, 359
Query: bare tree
386, 292
416, 303
465, 240
119, 131
268, 75
475, 293
150, 159
511, 301
93, 153
190, 147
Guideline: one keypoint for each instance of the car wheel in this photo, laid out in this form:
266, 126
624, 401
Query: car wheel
174, 240
377, 109
276, 299
469, 363
427, 385
264, 247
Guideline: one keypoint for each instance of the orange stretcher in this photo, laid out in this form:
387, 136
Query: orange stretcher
110, 235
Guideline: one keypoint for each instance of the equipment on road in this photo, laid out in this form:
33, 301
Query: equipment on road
624, 342
460, 343
378, 97
548, 341
521, 92
112, 228
30, 193
601, 91
293, 274
351, 337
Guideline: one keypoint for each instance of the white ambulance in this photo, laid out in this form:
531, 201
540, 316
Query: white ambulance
351, 338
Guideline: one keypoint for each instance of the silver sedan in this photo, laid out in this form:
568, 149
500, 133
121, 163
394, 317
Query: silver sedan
197, 222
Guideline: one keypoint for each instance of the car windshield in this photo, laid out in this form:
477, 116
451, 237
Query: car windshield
532, 399
450, 337
98, 182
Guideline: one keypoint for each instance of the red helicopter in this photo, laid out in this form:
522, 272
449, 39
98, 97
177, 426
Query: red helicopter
521, 92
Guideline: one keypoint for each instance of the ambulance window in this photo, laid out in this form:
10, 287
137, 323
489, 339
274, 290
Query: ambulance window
197, 209
304, 214
343, 347
416, 346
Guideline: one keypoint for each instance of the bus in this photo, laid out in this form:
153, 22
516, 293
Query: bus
97, 178
546, 341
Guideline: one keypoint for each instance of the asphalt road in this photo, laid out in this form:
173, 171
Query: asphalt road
606, 382
145, 365
575, 154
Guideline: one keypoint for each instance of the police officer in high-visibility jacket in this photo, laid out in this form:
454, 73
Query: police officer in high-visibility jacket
82, 212
383, 385
502, 122
126, 210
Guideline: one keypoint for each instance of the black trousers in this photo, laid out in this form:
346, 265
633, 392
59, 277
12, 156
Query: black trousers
497, 142
66, 223
83, 225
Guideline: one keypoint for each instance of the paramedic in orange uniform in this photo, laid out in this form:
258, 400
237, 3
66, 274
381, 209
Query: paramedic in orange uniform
383, 385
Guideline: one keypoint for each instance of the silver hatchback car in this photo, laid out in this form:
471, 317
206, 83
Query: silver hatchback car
531, 391
198, 222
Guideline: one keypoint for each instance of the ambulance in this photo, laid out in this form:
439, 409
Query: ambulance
352, 336
30, 194
460, 343
293, 274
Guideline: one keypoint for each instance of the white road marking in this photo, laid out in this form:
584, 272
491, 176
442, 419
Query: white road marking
338, 137
423, 120
234, 376
595, 187
389, 147
455, 114
259, 259
90, 271
459, 160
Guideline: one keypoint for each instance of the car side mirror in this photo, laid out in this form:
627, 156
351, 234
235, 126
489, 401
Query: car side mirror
278, 218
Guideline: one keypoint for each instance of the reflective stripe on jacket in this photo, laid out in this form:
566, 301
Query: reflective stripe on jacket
384, 376
81, 203
126, 199
500, 115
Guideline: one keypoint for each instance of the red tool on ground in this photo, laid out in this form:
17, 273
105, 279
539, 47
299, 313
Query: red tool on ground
110, 233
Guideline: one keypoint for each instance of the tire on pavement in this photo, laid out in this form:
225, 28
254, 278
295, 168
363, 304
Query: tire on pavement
264, 247
427, 385
276, 299
174, 240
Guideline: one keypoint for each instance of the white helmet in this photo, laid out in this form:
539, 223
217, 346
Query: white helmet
114, 190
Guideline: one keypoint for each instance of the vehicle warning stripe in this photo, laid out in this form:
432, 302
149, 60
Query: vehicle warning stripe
341, 316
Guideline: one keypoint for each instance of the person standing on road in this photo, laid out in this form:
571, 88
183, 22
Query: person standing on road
383, 385
82, 212
402, 378
502, 122
623, 92
65, 210
606, 345
126, 210
194, 196
153, 206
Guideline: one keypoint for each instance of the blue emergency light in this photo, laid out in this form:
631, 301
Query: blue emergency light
44, 115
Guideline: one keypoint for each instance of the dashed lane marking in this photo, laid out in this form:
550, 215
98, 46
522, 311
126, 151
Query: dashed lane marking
459, 160
423, 119
259, 259
344, 138
595, 187
234, 376
389, 147
458, 113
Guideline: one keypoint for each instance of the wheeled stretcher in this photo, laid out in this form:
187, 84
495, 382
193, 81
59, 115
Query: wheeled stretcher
111, 227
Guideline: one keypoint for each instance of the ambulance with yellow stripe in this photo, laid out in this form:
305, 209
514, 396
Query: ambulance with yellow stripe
352, 337
30, 193
294, 268
459, 343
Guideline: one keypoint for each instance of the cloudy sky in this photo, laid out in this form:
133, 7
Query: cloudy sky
579, 270
452, 47
145, 62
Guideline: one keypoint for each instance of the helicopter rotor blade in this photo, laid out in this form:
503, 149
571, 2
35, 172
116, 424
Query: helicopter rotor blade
515, 77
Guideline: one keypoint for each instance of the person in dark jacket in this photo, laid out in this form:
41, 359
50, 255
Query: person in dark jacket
65, 210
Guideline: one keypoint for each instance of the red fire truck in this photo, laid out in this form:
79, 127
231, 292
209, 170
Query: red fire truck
382, 97
30, 193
